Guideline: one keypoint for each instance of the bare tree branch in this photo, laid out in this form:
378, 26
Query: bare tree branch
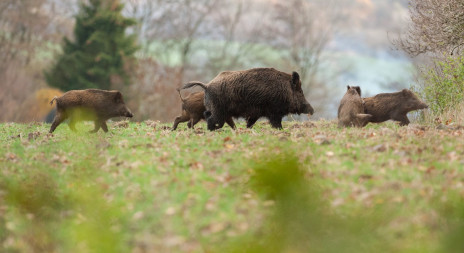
436, 26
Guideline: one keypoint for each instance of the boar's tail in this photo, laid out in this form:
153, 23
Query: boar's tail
54, 98
363, 116
192, 84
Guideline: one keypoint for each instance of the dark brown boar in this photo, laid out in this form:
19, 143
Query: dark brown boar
193, 109
394, 106
351, 109
91, 104
253, 93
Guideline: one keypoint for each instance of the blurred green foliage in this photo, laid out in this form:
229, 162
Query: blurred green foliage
101, 50
301, 220
453, 222
51, 213
444, 84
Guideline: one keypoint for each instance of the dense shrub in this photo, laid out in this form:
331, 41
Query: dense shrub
443, 86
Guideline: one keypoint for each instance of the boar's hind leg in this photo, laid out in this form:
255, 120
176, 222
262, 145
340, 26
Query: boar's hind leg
59, 117
97, 127
230, 122
276, 122
193, 122
178, 120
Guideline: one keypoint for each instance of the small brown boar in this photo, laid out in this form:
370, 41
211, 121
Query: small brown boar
394, 106
92, 105
351, 109
251, 94
193, 109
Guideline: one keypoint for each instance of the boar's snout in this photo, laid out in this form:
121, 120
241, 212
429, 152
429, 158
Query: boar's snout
125, 112
307, 109
421, 105
129, 114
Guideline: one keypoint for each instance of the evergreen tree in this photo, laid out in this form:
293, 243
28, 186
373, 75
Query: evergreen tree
100, 50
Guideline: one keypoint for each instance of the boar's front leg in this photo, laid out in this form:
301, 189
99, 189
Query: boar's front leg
276, 122
251, 121
72, 124
230, 122
211, 123
403, 119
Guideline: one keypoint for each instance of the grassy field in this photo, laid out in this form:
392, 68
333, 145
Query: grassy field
308, 188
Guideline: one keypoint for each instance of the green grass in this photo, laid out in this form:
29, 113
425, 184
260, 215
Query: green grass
145, 187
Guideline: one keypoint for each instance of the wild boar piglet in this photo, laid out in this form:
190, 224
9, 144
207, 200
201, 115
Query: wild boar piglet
89, 105
394, 106
193, 109
351, 109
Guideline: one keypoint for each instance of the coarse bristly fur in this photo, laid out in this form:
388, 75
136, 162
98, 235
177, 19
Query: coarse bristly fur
394, 106
90, 104
351, 109
253, 93
193, 109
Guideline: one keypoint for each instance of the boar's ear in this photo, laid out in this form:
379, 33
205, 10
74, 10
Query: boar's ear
406, 91
296, 84
118, 97
347, 87
358, 89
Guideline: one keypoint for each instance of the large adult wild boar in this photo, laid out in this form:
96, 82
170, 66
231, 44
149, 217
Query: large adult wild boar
193, 109
92, 105
394, 106
351, 109
253, 93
